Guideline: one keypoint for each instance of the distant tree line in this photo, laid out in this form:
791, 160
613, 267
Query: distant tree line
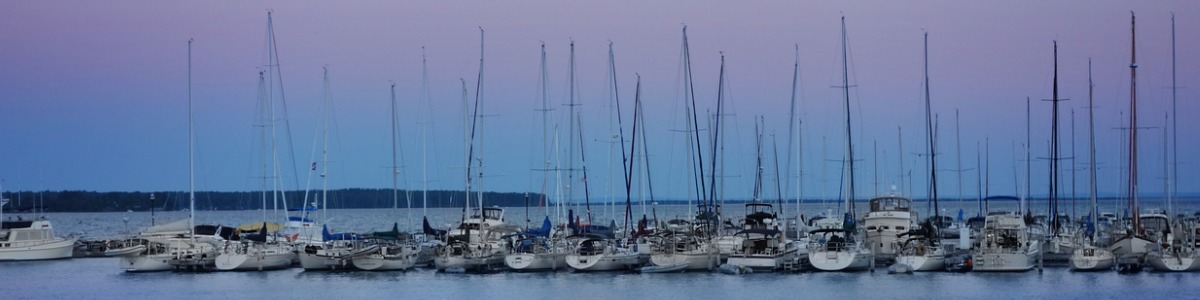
90, 201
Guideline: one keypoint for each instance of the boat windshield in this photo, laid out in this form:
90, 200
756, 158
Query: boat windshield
890, 204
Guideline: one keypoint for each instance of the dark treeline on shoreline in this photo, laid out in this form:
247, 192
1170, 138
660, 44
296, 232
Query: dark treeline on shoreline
90, 201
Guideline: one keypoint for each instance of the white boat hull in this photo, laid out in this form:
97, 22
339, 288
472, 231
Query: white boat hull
468, 263
764, 262
1004, 262
146, 263
536, 262
933, 261
54, 249
602, 262
379, 262
1092, 259
254, 261
839, 261
694, 261
1173, 263
316, 262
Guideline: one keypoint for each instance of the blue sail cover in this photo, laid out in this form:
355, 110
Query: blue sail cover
544, 231
326, 236
848, 223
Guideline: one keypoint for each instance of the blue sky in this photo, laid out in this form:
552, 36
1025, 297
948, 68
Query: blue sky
93, 94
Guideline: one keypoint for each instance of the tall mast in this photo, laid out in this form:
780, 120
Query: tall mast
543, 90
424, 138
1054, 180
793, 133
325, 148
690, 93
626, 160
1133, 201
715, 142
958, 155
571, 128
395, 170
1174, 188
932, 150
1091, 149
1028, 141
849, 136
191, 155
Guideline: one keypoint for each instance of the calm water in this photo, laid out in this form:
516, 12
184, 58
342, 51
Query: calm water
100, 278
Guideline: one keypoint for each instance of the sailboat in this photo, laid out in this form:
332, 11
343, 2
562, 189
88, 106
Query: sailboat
174, 245
603, 249
1090, 256
1131, 245
478, 244
838, 249
1008, 243
696, 248
918, 250
258, 251
262, 250
1178, 252
764, 245
611, 252
332, 251
395, 251
538, 249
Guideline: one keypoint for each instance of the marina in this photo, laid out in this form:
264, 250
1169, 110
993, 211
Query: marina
686, 171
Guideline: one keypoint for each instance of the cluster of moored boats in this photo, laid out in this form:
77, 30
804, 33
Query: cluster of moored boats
890, 235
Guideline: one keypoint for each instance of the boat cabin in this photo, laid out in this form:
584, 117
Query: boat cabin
890, 204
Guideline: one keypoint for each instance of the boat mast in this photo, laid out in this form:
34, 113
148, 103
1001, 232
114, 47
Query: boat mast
424, 139
626, 161
1174, 188
543, 89
632, 148
1028, 140
1092, 151
395, 169
849, 136
191, 155
716, 138
793, 133
325, 148
1054, 167
571, 131
932, 150
1133, 201
691, 95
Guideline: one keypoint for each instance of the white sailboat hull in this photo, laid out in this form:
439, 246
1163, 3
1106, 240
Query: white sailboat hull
1092, 259
146, 263
256, 259
468, 263
379, 262
37, 250
536, 262
315, 262
602, 262
932, 261
1171, 262
764, 262
1005, 262
694, 260
839, 261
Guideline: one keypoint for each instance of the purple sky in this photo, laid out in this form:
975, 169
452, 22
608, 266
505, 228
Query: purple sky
93, 94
